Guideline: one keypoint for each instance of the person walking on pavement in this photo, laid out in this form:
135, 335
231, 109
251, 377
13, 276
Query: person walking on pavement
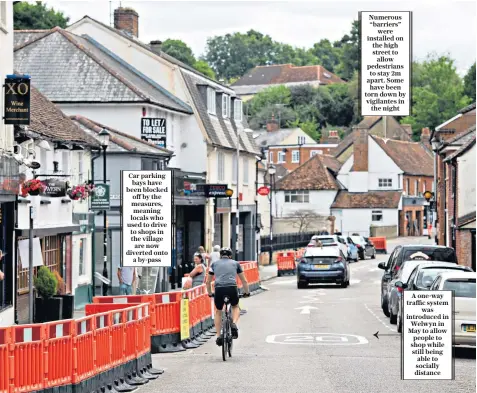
214, 255
198, 273
126, 277
137, 283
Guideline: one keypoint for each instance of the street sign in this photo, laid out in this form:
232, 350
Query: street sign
17, 100
264, 191
100, 199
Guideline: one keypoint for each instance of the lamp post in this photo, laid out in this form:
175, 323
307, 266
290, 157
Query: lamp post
435, 144
237, 214
271, 173
104, 140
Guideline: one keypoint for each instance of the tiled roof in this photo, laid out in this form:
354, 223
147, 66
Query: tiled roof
368, 121
69, 68
461, 138
49, 121
347, 141
220, 132
119, 141
265, 138
467, 108
412, 157
367, 200
286, 73
314, 174
131, 38
21, 37
466, 146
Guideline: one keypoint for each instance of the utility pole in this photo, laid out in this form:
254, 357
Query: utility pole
237, 215
30, 264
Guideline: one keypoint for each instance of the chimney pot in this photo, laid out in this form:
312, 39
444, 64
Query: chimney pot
156, 46
126, 19
272, 125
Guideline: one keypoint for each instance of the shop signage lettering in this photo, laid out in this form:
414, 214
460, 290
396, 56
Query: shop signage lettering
54, 188
211, 190
17, 100
154, 130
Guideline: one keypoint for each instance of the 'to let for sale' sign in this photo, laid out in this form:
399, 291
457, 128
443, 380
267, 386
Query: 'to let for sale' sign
154, 130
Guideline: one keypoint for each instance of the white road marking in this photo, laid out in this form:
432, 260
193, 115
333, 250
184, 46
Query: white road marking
379, 319
316, 339
285, 282
314, 301
374, 269
306, 309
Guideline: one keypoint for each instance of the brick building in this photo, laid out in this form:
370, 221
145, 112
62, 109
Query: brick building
290, 147
453, 142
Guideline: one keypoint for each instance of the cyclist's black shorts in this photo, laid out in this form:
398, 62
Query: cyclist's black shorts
231, 292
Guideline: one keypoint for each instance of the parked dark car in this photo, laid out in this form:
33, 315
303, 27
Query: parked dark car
365, 247
407, 253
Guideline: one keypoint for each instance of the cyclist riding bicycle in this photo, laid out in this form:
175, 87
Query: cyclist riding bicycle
225, 271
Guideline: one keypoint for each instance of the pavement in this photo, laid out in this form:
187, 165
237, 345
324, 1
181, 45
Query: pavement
316, 340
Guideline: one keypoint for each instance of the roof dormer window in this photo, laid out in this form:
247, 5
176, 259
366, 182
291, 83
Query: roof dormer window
238, 109
225, 106
211, 104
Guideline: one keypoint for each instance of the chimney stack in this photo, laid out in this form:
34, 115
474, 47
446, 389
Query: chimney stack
272, 125
126, 19
425, 135
360, 152
156, 46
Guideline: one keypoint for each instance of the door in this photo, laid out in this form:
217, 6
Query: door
194, 240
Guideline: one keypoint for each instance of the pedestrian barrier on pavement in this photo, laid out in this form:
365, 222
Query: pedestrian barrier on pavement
286, 263
90, 354
379, 244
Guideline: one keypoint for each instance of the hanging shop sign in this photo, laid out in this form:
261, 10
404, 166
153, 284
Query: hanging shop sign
100, 200
154, 130
17, 100
54, 188
264, 191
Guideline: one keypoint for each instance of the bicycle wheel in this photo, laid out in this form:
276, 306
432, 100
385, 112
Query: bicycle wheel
225, 328
229, 337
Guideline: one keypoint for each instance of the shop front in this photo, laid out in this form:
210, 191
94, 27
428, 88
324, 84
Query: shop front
414, 217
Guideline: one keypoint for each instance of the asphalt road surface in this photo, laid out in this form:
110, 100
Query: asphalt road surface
309, 340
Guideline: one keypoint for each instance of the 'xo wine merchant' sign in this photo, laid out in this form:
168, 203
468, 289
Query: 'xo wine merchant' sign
17, 100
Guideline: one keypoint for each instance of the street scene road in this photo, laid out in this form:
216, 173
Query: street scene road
318, 339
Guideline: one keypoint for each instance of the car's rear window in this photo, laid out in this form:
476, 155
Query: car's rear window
357, 239
427, 276
461, 288
318, 260
326, 240
434, 254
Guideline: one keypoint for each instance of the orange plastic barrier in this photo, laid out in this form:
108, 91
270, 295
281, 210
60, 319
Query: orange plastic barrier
5, 339
84, 349
285, 262
58, 344
28, 362
379, 244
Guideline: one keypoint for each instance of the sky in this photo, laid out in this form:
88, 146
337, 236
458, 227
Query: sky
439, 26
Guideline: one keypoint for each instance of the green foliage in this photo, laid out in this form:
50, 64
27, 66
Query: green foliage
272, 96
469, 83
179, 50
204, 68
311, 128
282, 114
37, 16
437, 94
46, 283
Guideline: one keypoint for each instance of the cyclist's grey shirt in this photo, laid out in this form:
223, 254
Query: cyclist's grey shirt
225, 271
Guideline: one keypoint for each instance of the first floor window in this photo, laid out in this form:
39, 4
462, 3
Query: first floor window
315, 152
271, 157
385, 183
234, 170
281, 157
245, 170
377, 215
295, 156
220, 166
82, 256
211, 104
302, 196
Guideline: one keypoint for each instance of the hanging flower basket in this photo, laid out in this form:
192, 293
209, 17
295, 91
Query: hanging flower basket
81, 192
32, 187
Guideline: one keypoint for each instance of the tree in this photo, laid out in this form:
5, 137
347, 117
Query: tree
469, 83
179, 50
37, 16
437, 94
350, 52
327, 55
303, 219
204, 68
283, 115
274, 95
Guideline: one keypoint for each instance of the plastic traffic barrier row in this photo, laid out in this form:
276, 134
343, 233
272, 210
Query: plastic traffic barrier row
379, 244
77, 356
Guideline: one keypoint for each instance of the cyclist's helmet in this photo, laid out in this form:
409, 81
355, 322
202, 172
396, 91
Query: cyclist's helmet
226, 252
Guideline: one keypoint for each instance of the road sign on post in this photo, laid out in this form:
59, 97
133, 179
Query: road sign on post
100, 199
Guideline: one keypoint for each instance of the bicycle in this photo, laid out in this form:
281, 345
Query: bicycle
227, 339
